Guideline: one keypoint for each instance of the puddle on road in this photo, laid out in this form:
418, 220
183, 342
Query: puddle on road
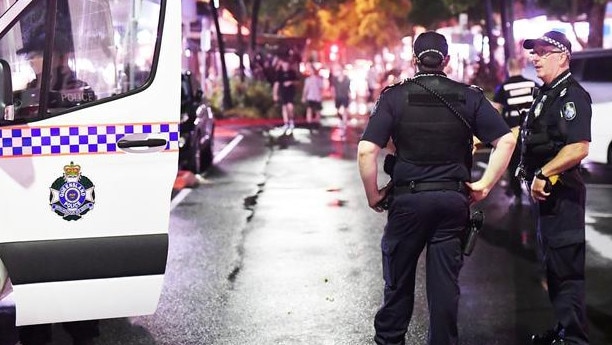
250, 201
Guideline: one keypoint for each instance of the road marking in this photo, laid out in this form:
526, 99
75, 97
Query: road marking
602, 244
182, 194
589, 216
179, 197
227, 149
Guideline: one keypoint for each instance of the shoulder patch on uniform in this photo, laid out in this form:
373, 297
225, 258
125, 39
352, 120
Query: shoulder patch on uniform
569, 111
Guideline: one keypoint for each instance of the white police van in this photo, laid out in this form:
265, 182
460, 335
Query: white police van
593, 69
89, 112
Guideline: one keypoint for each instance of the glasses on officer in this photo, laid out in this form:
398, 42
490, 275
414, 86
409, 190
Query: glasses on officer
543, 53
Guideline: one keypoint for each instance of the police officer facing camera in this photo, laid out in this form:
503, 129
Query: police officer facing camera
430, 120
556, 136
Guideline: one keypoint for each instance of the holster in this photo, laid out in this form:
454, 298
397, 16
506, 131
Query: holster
471, 232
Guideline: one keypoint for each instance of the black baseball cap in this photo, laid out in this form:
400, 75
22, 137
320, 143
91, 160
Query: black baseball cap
432, 45
552, 38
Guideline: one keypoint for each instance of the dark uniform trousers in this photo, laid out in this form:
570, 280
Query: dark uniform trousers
561, 231
435, 219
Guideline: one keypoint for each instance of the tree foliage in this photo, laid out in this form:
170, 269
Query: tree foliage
274, 16
429, 13
367, 24
432, 13
370, 25
572, 11
357, 23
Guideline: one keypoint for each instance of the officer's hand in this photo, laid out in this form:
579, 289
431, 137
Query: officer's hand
478, 191
377, 201
537, 190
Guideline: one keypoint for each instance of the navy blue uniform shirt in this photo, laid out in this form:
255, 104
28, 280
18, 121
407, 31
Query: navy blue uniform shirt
572, 107
485, 121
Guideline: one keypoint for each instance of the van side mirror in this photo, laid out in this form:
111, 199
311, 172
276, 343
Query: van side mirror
6, 92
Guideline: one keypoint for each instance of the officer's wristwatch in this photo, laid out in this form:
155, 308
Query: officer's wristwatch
540, 175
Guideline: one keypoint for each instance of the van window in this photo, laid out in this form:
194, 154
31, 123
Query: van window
594, 68
598, 69
97, 50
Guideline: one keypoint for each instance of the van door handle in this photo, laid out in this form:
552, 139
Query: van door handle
152, 142
142, 143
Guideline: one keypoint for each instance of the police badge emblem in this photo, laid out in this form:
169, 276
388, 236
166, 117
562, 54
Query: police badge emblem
72, 195
538, 108
569, 111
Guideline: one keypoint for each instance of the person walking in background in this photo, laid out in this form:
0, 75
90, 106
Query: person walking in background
284, 90
429, 204
341, 90
555, 140
312, 95
513, 98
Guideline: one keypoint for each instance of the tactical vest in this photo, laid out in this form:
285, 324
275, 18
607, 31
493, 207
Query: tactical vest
428, 133
542, 137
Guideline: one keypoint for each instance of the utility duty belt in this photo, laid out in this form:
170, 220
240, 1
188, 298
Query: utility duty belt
415, 187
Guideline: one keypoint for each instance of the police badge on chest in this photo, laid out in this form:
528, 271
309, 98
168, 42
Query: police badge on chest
538, 108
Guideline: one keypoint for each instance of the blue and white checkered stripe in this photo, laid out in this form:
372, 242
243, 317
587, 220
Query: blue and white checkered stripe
40, 141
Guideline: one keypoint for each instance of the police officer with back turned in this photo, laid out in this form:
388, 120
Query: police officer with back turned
556, 136
430, 120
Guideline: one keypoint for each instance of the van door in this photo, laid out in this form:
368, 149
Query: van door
593, 70
89, 155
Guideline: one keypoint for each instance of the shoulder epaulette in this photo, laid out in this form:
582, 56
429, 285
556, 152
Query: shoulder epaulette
476, 87
398, 83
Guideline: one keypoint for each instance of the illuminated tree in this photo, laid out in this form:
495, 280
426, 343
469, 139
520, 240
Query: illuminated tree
368, 25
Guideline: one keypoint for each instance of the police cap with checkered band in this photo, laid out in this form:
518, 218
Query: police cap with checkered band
430, 48
551, 38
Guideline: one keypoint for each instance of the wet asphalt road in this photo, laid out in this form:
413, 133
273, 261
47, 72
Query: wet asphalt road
277, 246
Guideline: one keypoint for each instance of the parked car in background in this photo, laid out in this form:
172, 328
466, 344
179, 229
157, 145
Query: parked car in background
197, 128
593, 69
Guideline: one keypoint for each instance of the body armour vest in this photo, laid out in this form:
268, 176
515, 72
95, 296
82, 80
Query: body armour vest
543, 133
428, 132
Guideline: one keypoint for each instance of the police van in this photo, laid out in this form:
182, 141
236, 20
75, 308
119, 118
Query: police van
593, 70
89, 107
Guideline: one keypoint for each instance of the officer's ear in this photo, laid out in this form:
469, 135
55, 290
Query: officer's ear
565, 56
446, 61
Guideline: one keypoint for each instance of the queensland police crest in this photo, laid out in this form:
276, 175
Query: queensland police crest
72, 194
569, 111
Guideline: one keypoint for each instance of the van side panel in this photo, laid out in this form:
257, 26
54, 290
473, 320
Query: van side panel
105, 258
